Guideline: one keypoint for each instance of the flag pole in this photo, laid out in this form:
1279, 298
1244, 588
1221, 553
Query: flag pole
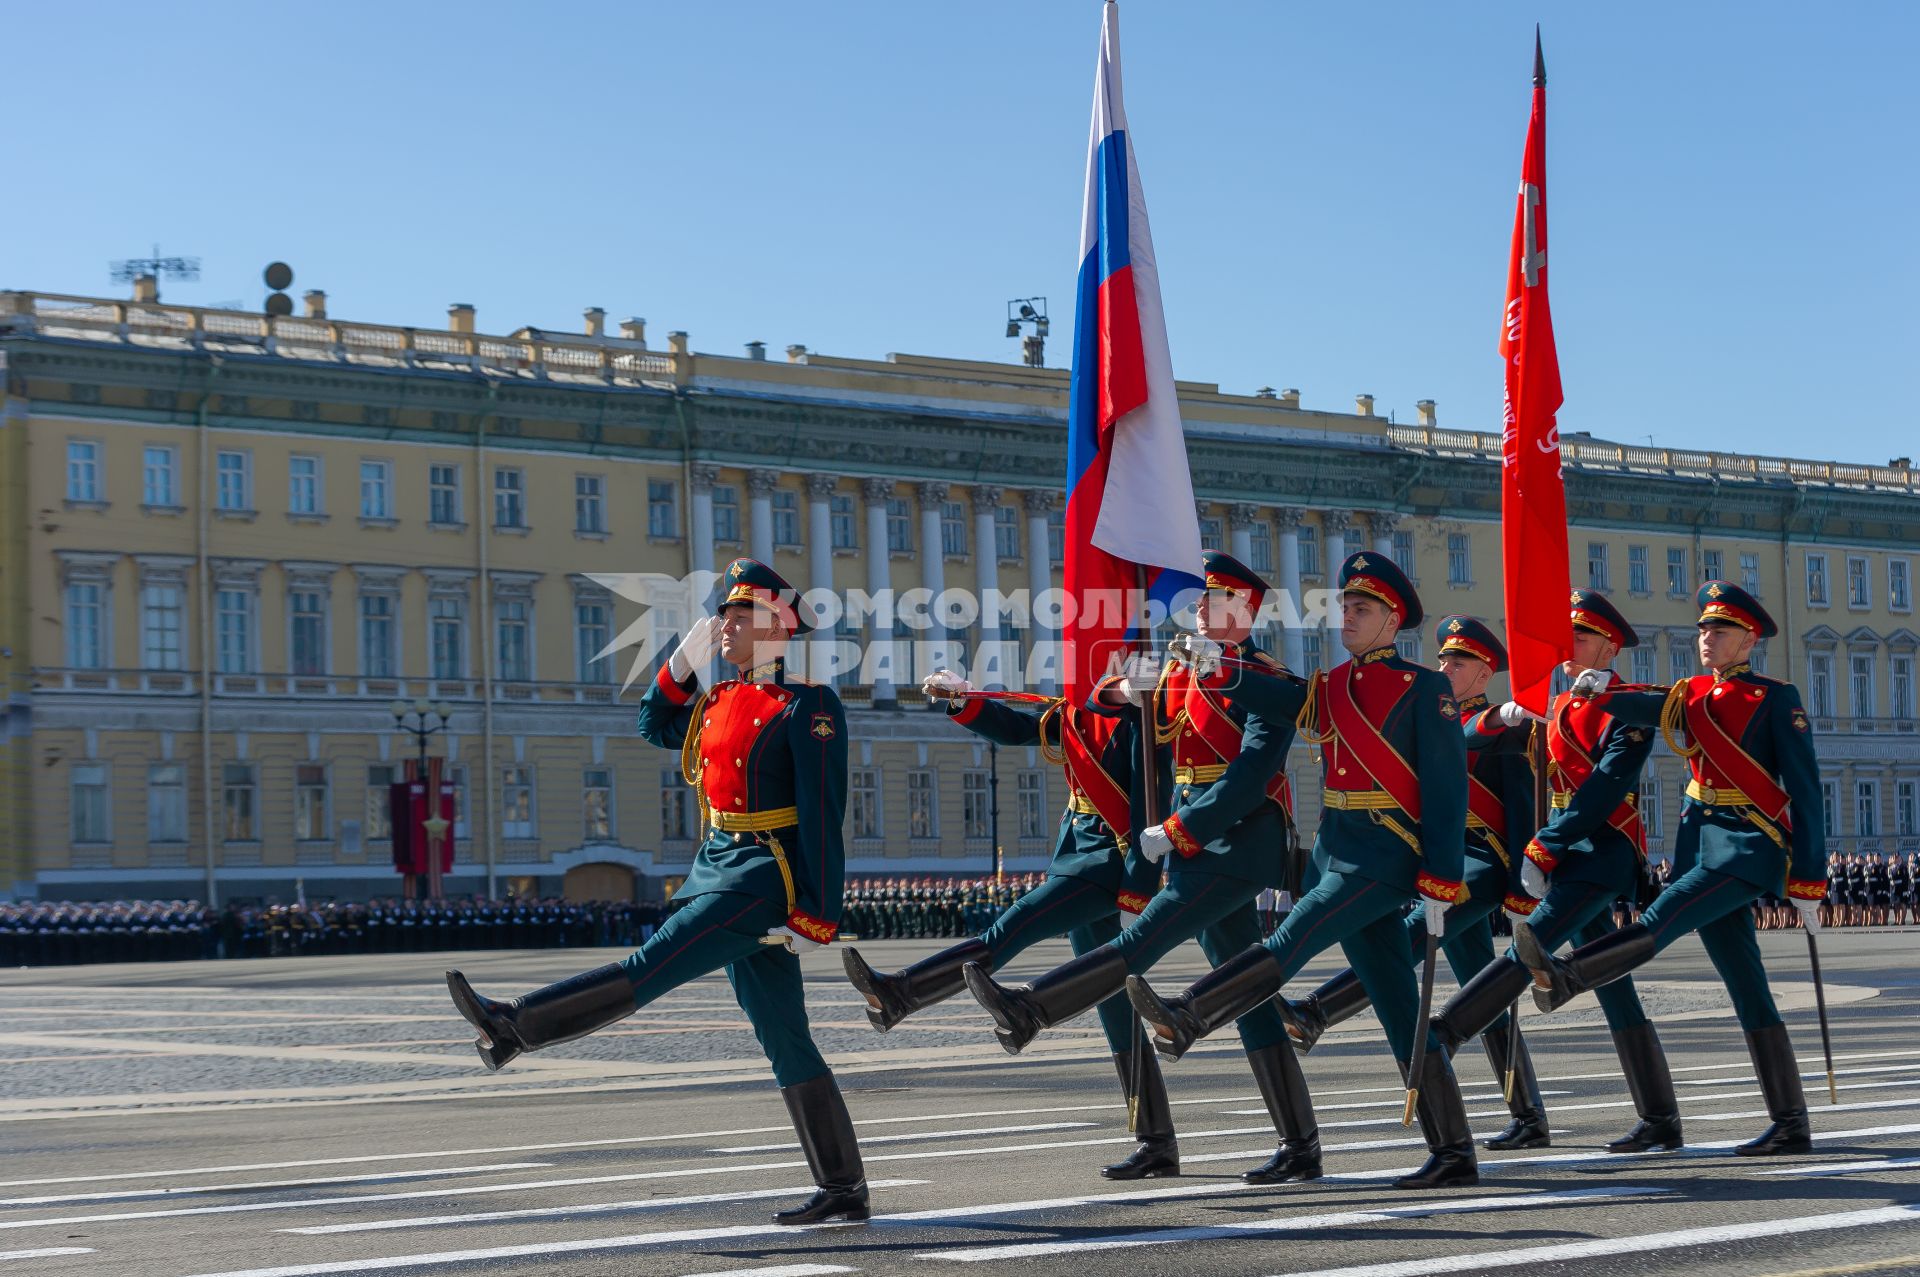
1149, 763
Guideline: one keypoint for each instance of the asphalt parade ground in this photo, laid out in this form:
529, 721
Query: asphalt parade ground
286, 1117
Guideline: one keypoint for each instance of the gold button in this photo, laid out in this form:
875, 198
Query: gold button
1408, 677
1343, 771
738, 763
1358, 675
756, 722
739, 802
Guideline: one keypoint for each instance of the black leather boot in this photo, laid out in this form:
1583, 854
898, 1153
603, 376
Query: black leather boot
1651, 1086
1149, 1117
1214, 1001
1529, 1126
1340, 998
1020, 1011
1557, 980
1276, 1069
892, 998
1480, 1002
557, 1013
1779, 1073
1451, 1161
821, 1120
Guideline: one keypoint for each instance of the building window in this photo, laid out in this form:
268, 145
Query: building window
376, 489
1459, 559
863, 802
377, 821
509, 498
1033, 797
589, 504
1682, 658
1899, 586
1859, 584
166, 803
83, 470
1820, 685
1408, 645
1006, 533
590, 630
845, 527
162, 617
89, 794
676, 807
458, 775
86, 625
1829, 807
1403, 555
1057, 536
1750, 573
1310, 651
596, 802
159, 481
1866, 808
376, 636
1906, 809
1210, 534
1643, 671
443, 494
1650, 805
663, 519
975, 818
309, 631
786, 518
233, 631
1900, 687
1309, 550
448, 618
510, 637
1597, 566
726, 512
1759, 658
1260, 543
516, 802
1860, 684
1713, 565
1816, 580
923, 813
1676, 572
238, 816
303, 484
1637, 571
953, 529
899, 527
310, 802
233, 487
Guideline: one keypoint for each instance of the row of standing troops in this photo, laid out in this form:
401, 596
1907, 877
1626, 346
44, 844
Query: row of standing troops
1427, 829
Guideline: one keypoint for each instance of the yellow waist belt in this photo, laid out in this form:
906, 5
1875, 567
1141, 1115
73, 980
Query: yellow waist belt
1204, 774
754, 822
1717, 797
1081, 805
1360, 800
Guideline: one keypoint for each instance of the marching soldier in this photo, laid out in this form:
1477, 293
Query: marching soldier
1499, 822
1752, 821
1228, 710
1090, 881
1395, 770
1589, 854
767, 757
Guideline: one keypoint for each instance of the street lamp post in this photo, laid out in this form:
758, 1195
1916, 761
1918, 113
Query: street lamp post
422, 726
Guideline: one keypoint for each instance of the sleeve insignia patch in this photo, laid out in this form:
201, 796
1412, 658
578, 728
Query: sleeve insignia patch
823, 726
1637, 734
1448, 707
1800, 720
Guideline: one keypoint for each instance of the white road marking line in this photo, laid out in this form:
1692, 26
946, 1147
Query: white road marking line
194, 1189
1636, 1244
1287, 1224
1822, 1170
1466, 1094
1811, 1075
557, 1212
46, 1252
1690, 1151
921, 1135
784, 1270
1812, 1110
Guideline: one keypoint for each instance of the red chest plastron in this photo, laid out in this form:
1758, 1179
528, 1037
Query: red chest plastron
1731, 704
733, 721
1377, 688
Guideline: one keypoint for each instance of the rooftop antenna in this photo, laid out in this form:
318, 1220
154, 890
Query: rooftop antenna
126, 271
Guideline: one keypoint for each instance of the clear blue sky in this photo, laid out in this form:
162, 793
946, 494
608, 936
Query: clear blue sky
1731, 187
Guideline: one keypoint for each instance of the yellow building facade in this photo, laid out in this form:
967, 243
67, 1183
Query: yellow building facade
230, 542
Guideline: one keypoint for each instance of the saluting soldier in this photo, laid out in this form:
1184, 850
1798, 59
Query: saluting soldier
1589, 854
1226, 710
1091, 881
1752, 821
767, 757
1499, 822
1394, 766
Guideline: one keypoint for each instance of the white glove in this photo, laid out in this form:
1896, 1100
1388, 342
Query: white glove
1154, 843
795, 942
1138, 677
1591, 682
945, 685
1809, 914
1533, 880
1513, 713
1437, 918
1203, 654
696, 648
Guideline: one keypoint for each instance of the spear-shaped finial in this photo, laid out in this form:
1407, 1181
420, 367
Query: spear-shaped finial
1539, 60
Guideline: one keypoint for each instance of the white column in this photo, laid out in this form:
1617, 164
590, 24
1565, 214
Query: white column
1338, 525
700, 543
820, 559
986, 563
1381, 524
1039, 560
879, 569
1240, 531
933, 560
1288, 521
760, 486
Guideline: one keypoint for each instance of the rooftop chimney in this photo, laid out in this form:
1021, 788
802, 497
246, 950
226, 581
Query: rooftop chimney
1363, 404
146, 288
677, 342
596, 322
1428, 416
316, 304
757, 350
1290, 398
796, 354
634, 330
460, 317
1266, 392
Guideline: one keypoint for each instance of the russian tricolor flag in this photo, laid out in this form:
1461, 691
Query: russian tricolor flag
1129, 494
